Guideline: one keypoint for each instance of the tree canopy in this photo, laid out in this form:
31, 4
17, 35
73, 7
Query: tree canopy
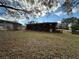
36, 8
70, 20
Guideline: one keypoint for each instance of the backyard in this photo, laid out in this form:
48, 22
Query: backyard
38, 45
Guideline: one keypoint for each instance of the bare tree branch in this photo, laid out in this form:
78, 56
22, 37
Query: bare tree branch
16, 9
36, 7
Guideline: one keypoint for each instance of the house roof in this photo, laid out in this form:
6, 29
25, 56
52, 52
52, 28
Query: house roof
45, 23
9, 21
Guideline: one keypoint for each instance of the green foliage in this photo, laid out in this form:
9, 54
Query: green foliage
70, 20
65, 28
75, 27
67, 21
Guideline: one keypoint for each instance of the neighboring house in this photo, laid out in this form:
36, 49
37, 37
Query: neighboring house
47, 26
69, 26
9, 25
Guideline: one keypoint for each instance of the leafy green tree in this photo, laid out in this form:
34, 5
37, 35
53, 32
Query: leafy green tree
67, 21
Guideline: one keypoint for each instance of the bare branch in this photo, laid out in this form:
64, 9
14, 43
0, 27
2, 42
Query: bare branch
16, 9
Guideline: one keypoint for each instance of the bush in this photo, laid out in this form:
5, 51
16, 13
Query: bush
67, 28
75, 28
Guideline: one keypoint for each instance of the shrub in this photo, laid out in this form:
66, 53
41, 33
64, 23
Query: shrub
74, 28
67, 28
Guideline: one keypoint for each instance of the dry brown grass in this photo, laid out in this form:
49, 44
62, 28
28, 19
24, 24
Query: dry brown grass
38, 45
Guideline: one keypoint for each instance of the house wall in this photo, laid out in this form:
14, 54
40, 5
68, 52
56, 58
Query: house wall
17, 26
6, 26
9, 25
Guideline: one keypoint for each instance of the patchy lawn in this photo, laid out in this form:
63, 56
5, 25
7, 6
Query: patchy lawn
38, 45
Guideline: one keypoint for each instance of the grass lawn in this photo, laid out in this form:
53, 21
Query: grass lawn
38, 45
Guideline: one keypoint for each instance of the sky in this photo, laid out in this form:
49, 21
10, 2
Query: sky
55, 16
50, 17
2, 11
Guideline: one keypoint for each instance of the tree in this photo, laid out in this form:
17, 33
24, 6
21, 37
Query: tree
73, 20
70, 20
70, 4
35, 8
